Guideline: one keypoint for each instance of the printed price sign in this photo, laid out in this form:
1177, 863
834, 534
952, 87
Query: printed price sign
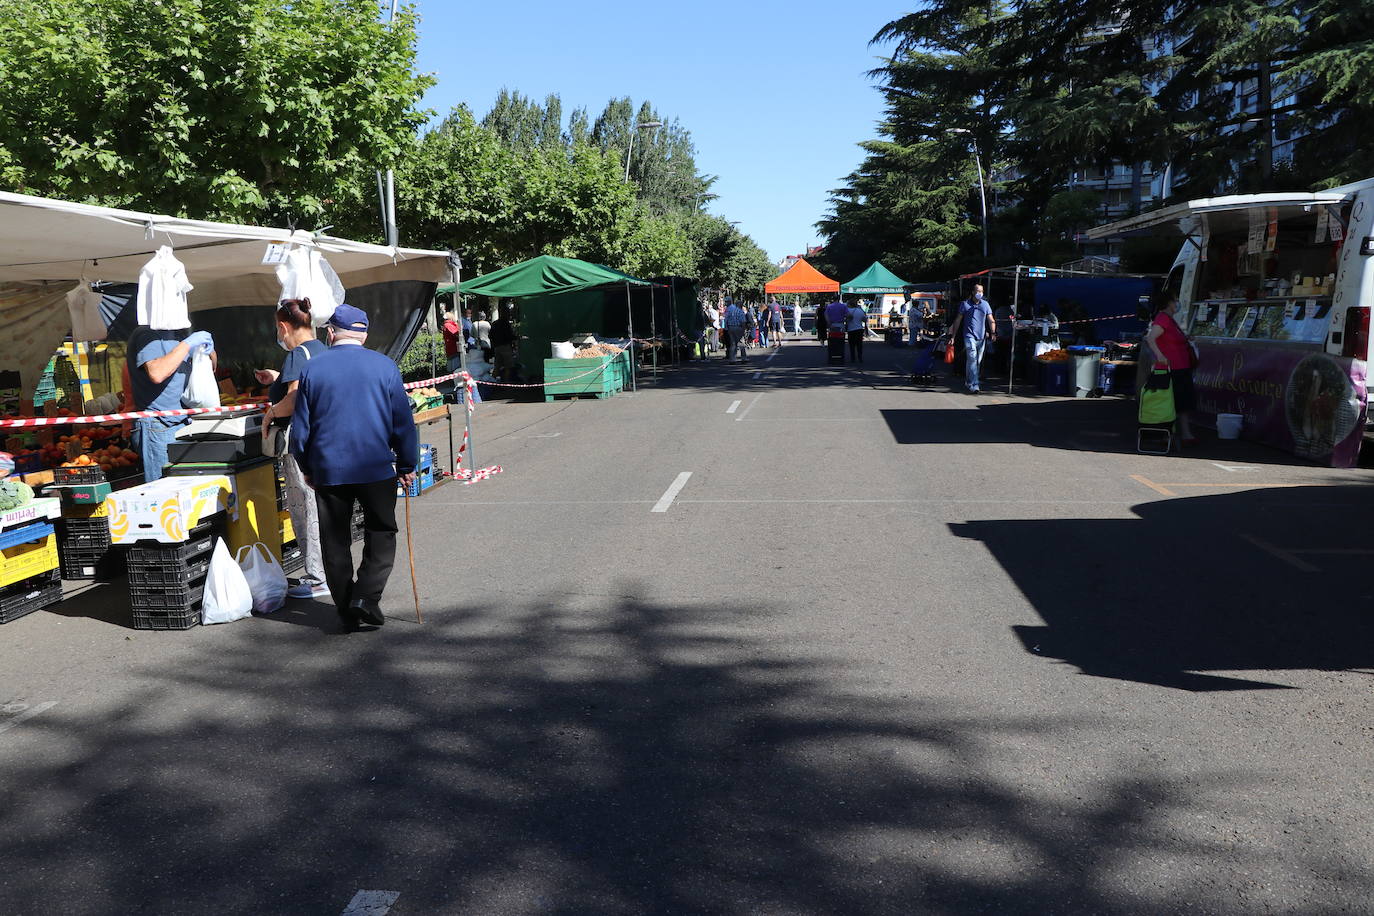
275, 253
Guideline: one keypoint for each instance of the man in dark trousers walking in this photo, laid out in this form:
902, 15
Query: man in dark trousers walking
353, 435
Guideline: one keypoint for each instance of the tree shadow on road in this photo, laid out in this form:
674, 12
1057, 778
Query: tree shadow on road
637, 759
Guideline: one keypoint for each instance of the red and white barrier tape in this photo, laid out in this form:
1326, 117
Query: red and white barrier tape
466, 475
19, 422
1091, 320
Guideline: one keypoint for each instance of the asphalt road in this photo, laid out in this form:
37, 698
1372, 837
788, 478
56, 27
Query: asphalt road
886, 651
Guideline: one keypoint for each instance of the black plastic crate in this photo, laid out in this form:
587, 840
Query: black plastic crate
166, 599
166, 620
32, 594
103, 564
84, 527
78, 475
150, 553
292, 557
160, 576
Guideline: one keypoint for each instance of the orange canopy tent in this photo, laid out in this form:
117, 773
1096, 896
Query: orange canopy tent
801, 277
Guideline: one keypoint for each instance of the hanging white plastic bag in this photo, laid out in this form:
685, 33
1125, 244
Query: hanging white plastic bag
266, 579
201, 388
227, 596
305, 274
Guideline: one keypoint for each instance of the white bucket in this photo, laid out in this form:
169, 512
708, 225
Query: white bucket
563, 349
1228, 425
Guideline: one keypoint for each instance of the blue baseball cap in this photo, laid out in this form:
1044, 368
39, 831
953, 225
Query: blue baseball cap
348, 318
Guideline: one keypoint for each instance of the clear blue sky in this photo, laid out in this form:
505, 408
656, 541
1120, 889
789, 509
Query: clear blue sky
730, 71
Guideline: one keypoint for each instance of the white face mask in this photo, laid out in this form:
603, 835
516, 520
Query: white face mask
281, 343
978, 297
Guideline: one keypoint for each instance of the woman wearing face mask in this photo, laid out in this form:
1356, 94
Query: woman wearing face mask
296, 335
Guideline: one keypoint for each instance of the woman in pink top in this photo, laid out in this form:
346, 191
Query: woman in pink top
1172, 352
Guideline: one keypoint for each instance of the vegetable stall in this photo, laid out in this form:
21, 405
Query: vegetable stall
76, 502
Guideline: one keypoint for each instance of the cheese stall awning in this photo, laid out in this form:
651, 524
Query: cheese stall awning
801, 277
49, 247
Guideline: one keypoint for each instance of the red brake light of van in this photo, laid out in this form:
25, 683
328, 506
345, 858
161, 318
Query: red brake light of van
1355, 344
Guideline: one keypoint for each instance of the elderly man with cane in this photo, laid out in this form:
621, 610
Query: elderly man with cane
353, 436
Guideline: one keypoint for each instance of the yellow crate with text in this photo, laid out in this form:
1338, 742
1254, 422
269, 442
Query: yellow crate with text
24, 561
99, 510
288, 531
255, 516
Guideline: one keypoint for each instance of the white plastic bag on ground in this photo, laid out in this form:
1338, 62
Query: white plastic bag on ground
266, 579
227, 596
201, 388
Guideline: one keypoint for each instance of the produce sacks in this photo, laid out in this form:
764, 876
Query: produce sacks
949, 351
1157, 399
227, 597
265, 577
201, 388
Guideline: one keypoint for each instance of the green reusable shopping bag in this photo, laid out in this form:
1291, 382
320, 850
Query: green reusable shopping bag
1157, 399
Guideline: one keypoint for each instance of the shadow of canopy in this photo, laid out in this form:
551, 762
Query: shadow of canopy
1184, 589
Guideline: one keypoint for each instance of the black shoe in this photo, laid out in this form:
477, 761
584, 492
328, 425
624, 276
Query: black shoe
367, 611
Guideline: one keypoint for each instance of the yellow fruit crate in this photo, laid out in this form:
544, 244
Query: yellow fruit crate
24, 561
98, 510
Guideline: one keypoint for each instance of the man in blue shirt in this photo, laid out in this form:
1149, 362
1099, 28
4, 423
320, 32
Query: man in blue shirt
353, 436
159, 366
974, 327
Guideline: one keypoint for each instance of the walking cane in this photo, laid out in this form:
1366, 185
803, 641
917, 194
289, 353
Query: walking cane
410, 552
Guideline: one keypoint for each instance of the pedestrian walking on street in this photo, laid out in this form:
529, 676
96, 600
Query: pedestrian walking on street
353, 436
296, 335
775, 322
761, 322
736, 332
856, 327
974, 328
836, 320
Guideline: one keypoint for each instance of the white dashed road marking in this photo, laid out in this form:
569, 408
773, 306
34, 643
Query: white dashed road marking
733, 407
671, 493
26, 715
371, 903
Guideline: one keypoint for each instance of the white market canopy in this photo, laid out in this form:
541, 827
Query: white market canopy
49, 247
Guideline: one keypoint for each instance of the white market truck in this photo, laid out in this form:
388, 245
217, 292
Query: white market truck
1276, 290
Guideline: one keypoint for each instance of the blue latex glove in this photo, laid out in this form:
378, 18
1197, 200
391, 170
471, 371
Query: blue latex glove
199, 341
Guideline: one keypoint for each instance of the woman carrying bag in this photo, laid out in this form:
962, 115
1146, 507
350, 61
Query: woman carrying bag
295, 335
1174, 354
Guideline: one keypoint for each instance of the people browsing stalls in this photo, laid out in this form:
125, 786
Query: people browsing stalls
295, 335
1173, 352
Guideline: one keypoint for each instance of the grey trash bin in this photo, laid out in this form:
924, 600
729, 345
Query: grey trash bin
1087, 368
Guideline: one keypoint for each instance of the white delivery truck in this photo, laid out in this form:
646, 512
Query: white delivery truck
1276, 290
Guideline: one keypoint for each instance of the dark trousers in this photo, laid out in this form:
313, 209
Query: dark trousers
335, 506
856, 346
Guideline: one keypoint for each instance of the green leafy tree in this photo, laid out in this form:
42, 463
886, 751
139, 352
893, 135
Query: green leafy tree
248, 110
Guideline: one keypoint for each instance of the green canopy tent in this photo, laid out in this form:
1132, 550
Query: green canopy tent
559, 297
877, 279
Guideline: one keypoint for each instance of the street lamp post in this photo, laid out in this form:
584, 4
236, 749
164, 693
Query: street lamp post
982, 190
647, 125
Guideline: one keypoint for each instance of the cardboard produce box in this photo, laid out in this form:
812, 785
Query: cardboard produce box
165, 510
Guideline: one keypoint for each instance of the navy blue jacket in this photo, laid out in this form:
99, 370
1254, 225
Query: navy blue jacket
352, 419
